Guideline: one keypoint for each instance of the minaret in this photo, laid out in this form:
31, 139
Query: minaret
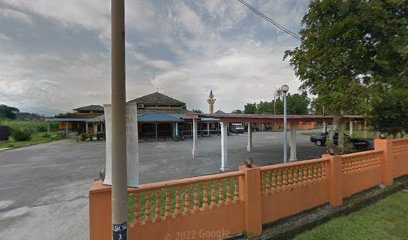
211, 101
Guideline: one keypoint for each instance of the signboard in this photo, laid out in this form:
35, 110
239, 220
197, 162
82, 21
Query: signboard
132, 145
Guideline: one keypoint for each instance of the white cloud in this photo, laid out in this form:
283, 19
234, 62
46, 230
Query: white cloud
11, 13
182, 48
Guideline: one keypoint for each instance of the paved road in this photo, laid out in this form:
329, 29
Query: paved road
44, 188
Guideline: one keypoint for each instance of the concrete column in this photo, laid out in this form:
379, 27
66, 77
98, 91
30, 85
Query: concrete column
66, 127
351, 127
292, 143
177, 132
155, 129
208, 129
95, 128
224, 147
194, 137
324, 129
86, 128
341, 135
249, 146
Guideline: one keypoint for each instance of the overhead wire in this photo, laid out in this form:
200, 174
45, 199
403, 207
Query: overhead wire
270, 20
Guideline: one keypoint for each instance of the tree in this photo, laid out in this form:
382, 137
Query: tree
250, 108
264, 107
389, 112
237, 111
297, 104
8, 112
348, 45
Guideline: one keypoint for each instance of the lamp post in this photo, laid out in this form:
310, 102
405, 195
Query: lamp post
285, 89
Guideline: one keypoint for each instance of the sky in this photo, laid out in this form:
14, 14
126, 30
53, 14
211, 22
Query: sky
55, 55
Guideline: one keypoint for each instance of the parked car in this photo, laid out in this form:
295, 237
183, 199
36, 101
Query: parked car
237, 128
358, 143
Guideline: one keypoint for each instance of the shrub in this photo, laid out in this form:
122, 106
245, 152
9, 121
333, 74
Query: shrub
22, 134
47, 135
61, 135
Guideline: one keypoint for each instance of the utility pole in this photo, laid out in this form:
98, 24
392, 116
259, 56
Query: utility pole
119, 164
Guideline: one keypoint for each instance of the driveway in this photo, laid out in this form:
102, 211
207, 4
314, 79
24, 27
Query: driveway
44, 188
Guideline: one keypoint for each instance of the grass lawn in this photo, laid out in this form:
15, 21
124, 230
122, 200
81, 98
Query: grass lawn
387, 219
36, 138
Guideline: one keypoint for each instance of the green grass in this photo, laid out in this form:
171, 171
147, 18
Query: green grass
36, 138
387, 219
142, 200
38, 127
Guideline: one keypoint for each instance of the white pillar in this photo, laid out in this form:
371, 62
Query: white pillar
86, 128
224, 147
66, 127
249, 146
351, 127
293, 156
194, 137
324, 130
95, 128
341, 135
177, 129
208, 129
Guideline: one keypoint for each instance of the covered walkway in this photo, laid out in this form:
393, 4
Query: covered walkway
293, 121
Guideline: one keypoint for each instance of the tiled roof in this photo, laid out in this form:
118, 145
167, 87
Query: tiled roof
159, 99
95, 108
158, 117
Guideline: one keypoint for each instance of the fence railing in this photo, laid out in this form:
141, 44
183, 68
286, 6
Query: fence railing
215, 206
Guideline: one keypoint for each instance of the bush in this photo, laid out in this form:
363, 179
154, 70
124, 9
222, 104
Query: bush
22, 134
47, 135
61, 135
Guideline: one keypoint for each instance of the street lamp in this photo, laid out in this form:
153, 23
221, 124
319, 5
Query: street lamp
285, 89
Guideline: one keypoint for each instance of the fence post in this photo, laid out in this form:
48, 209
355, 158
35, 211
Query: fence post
100, 213
387, 161
335, 180
250, 191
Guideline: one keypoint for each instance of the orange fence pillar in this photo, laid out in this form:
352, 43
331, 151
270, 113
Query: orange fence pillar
250, 192
387, 161
335, 179
100, 214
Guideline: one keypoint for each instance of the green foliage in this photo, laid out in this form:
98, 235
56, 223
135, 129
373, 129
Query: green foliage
237, 111
61, 135
250, 108
22, 134
347, 45
297, 105
8, 112
390, 112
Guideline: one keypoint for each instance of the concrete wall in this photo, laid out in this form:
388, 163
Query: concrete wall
215, 206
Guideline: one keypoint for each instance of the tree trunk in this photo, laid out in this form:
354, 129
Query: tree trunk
333, 130
341, 136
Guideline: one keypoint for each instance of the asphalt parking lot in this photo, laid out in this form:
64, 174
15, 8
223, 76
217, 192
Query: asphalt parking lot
44, 188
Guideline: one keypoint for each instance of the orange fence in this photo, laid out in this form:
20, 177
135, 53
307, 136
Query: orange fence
216, 206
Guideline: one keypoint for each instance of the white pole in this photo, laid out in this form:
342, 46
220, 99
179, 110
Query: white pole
208, 129
194, 137
285, 123
224, 147
293, 156
119, 164
351, 128
249, 145
177, 129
